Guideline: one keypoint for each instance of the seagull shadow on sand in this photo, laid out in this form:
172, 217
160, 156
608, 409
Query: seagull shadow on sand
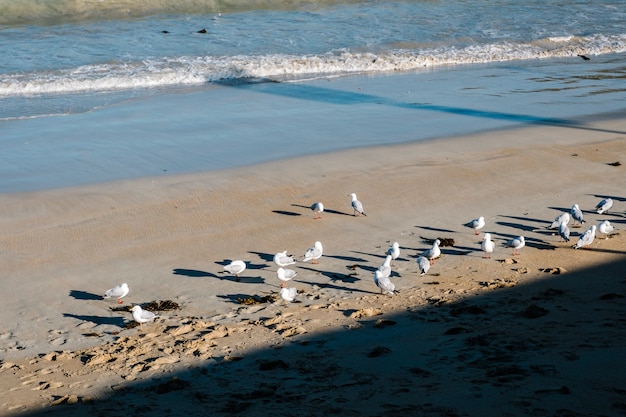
235, 298
84, 295
436, 229
268, 257
98, 320
530, 242
326, 210
193, 273
612, 197
336, 287
519, 226
286, 213
345, 258
249, 265
334, 276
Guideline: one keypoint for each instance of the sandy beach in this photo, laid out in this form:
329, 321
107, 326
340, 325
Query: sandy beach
540, 333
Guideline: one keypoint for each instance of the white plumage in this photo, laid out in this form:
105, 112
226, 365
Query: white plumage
142, 316
517, 244
288, 294
394, 251
577, 214
606, 228
313, 253
586, 238
357, 206
318, 209
235, 268
487, 245
604, 205
434, 252
476, 224
385, 268
282, 259
119, 292
384, 283
285, 274
561, 218
564, 232
423, 264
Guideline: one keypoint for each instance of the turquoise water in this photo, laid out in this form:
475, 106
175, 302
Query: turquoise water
91, 92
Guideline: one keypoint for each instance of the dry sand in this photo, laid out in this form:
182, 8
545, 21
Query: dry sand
540, 333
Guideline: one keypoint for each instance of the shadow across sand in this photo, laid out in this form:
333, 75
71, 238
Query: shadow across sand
552, 345
194, 273
83, 295
98, 320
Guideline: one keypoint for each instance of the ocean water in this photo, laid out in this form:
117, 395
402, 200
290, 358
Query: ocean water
95, 91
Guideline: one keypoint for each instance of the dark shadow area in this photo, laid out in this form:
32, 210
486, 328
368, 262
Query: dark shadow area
326, 210
194, 273
286, 213
346, 258
267, 257
612, 197
435, 229
550, 347
334, 277
519, 226
83, 295
113, 321
530, 219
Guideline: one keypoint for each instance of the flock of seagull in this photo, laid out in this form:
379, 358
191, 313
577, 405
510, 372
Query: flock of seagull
382, 275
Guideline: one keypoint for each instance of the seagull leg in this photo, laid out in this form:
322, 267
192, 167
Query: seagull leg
119, 301
237, 277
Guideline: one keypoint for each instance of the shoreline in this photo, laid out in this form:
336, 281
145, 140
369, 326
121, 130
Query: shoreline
168, 238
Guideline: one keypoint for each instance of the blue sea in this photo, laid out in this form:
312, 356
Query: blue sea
94, 91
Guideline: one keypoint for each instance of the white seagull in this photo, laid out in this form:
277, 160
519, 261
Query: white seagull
313, 253
476, 224
357, 206
119, 292
434, 252
385, 268
142, 316
604, 205
282, 259
586, 238
235, 268
423, 264
564, 232
577, 215
318, 209
285, 274
288, 294
384, 283
394, 251
487, 246
517, 244
558, 220
606, 228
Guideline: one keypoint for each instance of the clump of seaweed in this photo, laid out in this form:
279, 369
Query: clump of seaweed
160, 305
443, 241
257, 299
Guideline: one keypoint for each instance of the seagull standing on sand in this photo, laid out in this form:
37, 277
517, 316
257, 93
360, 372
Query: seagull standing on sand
394, 251
385, 268
423, 264
561, 218
235, 268
384, 283
586, 238
318, 209
564, 231
288, 294
119, 292
357, 206
606, 228
476, 224
285, 274
434, 252
282, 259
313, 253
142, 316
604, 206
517, 244
487, 246
577, 215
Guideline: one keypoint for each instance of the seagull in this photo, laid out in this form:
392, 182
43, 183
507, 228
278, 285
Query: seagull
318, 209
423, 264
476, 224
564, 232
577, 215
434, 252
394, 251
385, 268
561, 218
384, 283
357, 206
606, 228
313, 253
282, 259
288, 294
119, 292
604, 206
517, 244
236, 268
487, 246
586, 238
142, 316
285, 274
